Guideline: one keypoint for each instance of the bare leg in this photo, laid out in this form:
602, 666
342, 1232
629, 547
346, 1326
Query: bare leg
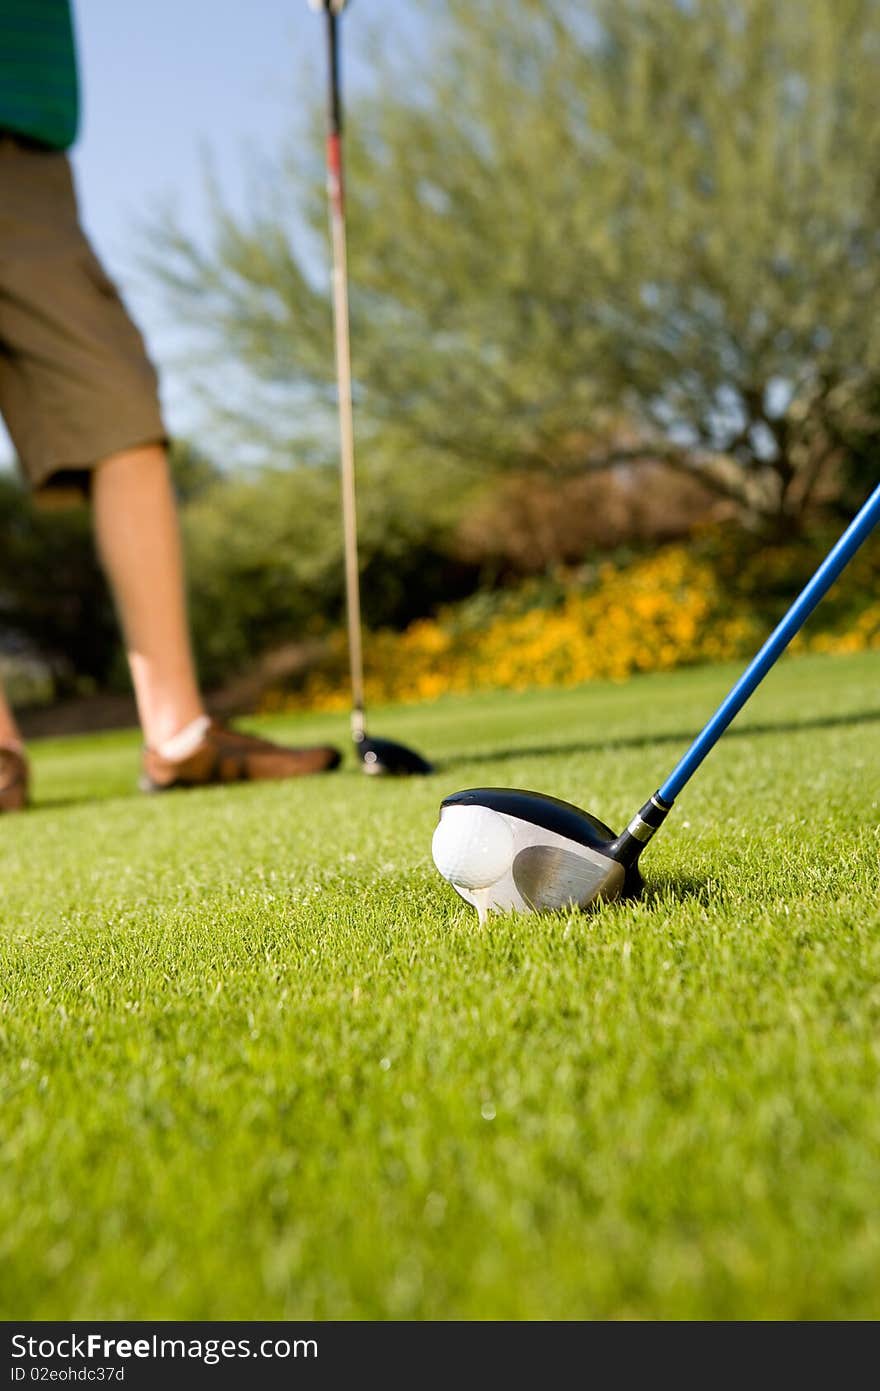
10, 734
139, 544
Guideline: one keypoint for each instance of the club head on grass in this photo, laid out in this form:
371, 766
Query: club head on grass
507, 850
383, 757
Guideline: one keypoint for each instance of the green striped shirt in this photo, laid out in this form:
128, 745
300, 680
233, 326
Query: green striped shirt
38, 84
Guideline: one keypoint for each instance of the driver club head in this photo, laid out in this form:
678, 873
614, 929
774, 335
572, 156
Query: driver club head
383, 757
507, 850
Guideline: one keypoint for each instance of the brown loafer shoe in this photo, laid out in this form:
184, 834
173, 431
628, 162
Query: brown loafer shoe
225, 755
13, 780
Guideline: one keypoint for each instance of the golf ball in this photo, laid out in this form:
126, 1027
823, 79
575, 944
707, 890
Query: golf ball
472, 846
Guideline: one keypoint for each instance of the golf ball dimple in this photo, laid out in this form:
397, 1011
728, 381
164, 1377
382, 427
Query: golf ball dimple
472, 846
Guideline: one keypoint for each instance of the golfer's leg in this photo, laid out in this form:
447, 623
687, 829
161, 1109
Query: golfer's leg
138, 541
10, 735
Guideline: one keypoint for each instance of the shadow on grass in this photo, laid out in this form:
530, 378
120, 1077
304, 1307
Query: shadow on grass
680, 889
643, 741
81, 800
636, 741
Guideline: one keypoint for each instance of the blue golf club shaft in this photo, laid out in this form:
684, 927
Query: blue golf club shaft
842, 553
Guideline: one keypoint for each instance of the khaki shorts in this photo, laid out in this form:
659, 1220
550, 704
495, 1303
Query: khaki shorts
76, 384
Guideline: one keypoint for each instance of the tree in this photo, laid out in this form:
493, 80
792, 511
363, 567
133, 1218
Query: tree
193, 474
264, 568
586, 235
265, 564
54, 601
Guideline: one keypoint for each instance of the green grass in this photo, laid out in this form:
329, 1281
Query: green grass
258, 1061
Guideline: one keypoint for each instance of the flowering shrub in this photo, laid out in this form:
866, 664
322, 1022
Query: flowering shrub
674, 608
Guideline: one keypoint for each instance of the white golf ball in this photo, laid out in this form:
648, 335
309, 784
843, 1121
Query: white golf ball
472, 846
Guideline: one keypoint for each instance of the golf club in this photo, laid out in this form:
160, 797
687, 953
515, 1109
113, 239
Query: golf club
506, 850
376, 755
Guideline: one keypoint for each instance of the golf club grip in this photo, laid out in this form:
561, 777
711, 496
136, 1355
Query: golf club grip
837, 559
341, 336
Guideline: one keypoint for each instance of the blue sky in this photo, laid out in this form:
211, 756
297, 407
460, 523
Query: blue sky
166, 80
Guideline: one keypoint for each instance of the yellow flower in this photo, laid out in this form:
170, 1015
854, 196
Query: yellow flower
665, 610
